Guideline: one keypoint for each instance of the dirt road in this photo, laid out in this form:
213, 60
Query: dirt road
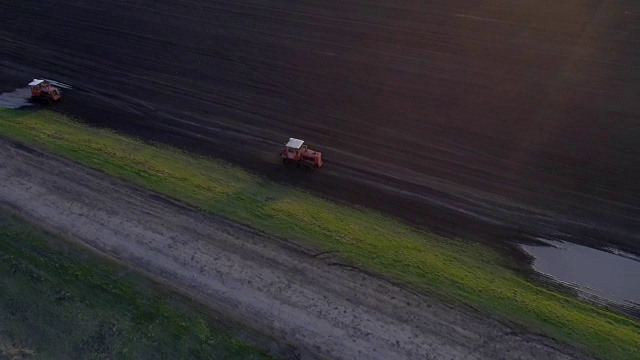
495, 118
323, 310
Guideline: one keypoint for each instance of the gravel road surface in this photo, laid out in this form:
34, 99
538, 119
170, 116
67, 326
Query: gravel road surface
325, 311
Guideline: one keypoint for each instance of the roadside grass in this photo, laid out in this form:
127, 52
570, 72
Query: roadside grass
451, 269
65, 304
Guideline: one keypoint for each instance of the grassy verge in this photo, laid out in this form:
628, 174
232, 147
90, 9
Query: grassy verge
55, 305
453, 269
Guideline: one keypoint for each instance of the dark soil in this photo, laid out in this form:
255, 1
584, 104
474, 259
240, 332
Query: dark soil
489, 120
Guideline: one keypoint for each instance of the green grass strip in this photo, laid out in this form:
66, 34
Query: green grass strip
64, 304
451, 268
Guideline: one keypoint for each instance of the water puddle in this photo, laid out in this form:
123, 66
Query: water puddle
614, 277
16, 99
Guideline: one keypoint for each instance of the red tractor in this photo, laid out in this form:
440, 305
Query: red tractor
41, 90
296, 153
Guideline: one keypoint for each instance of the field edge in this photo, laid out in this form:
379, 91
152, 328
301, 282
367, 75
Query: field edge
50, 140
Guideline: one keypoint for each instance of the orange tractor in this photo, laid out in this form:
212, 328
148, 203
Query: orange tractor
296, 153
41, 90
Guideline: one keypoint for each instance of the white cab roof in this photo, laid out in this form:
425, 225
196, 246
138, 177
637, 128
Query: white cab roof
35, 82
294, 143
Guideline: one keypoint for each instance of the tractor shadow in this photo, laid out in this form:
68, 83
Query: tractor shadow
298, 177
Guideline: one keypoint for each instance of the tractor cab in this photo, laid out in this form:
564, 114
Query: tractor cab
296, 152
294, 148
43, 91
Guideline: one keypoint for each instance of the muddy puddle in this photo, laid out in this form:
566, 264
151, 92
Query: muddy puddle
611, 277
16, 99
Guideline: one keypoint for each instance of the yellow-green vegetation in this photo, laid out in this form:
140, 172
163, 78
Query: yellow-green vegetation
452, 269
61, 303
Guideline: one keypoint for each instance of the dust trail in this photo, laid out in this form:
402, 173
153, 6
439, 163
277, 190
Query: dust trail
15, 99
